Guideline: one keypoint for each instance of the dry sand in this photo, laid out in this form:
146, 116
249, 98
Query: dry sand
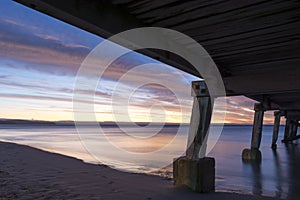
29, 173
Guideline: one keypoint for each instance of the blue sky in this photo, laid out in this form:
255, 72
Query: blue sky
39, 59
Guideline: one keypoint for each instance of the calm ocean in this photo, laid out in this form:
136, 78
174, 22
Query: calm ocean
278, 175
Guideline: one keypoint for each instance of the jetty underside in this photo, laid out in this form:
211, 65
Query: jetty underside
255, 45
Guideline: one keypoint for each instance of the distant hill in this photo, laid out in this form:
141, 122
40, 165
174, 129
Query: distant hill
21, 121
71, 123
105, 123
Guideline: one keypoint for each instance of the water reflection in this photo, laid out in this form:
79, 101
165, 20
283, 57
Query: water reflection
278, 174
281, 182
255, 174
293, 153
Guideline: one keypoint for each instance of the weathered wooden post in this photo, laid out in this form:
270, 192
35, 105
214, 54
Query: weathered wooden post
277, 116
195, 170
254, 153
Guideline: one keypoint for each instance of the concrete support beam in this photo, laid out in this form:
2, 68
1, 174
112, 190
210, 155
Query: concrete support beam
291, 126
287, 130
294, 128
257, 126
254, 153
195, 170
292, 138
200, 121
291, 129
277, 116
263, 83
199, 175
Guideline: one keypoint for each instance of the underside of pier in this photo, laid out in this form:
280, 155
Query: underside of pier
255, 45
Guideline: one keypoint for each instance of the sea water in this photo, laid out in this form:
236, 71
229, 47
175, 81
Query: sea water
278, 175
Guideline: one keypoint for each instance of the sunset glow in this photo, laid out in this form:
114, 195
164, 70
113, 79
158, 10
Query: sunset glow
39, 58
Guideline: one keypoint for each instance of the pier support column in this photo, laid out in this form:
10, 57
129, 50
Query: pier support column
277, 116
294, 129
291, 129
195, 170
254, 153
287, 130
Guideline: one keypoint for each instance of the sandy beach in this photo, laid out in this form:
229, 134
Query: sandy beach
29, 173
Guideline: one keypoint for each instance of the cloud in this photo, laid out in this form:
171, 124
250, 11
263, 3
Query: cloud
52, 54
34, 97
19, 43
24, 85
57, 54
49, 98
241, 101
3, 76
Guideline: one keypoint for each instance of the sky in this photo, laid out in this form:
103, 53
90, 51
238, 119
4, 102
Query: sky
39, 60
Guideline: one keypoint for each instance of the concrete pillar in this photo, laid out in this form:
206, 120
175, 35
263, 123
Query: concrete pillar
198, 175
254, 153
287, 130
195, 170
291, 129
294, 128
200, 121
277, 116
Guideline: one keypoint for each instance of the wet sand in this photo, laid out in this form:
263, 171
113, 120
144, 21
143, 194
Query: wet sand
29, 173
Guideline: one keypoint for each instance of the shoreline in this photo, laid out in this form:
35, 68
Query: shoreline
30, 173
164, 172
